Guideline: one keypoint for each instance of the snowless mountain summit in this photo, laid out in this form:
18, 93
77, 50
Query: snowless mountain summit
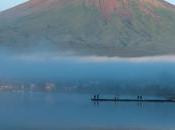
124, 28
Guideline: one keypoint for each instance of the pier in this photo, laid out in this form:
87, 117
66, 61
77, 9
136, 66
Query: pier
131, 100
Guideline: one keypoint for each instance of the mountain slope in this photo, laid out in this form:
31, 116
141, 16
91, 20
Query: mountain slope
91, 27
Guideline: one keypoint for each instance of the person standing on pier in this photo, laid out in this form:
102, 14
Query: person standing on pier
95, 97
98, 96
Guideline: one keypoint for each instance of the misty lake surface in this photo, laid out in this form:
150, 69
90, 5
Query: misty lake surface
47, 111
58, 111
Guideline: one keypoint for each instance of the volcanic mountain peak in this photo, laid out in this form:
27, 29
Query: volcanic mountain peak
110, 3
93, 27
107, 7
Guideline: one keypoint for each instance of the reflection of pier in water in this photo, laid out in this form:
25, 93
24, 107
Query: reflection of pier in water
140, 99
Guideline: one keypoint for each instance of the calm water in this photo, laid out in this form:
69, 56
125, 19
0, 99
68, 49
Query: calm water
49, 111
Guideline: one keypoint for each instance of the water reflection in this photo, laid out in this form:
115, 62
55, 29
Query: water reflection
55, 110
138, 104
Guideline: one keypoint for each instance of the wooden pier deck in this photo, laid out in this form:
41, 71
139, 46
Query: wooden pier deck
132, 100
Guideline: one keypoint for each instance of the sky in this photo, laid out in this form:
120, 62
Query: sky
171, 1
5, 4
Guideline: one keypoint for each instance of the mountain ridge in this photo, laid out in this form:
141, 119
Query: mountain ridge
91, 27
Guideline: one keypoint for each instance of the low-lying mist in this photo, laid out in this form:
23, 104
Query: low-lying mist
149, 75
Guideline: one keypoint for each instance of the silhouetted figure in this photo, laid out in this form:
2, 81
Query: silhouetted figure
94, 96
141, 97
138, 97
98, 96
115, 98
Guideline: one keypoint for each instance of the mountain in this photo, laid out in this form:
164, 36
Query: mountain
126, 28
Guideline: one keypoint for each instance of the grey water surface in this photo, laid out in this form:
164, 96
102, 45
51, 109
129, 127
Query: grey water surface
47, 111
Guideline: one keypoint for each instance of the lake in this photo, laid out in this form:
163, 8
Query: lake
59, 111
40, 110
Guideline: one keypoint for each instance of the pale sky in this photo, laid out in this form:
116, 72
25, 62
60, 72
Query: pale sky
5, 4
171, 1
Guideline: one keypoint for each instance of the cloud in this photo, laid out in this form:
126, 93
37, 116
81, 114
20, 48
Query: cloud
50, 57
